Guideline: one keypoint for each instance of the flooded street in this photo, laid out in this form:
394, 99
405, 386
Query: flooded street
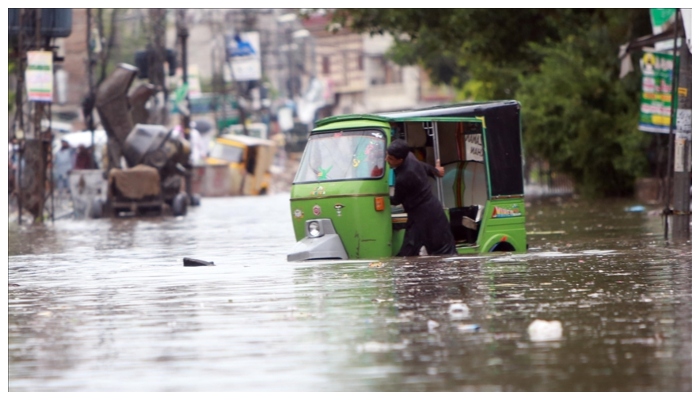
107, 305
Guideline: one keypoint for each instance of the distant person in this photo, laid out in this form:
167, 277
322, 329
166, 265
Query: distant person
83, 158
62, 165
199, 147
280, 152
426, 225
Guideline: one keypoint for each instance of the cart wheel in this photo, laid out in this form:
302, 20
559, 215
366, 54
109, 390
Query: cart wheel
180, 205
195, 200
96, 208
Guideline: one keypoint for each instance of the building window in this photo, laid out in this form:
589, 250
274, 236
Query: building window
326, 65
382, 71
360, 62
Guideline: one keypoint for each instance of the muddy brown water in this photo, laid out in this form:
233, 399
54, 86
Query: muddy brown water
107, 305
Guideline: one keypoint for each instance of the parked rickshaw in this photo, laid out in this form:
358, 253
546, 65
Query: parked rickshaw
340, 195
249, 160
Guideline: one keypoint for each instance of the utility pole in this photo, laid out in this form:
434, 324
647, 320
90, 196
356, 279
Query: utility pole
89, 101
183, 34
34, 180
682, 166
156, 59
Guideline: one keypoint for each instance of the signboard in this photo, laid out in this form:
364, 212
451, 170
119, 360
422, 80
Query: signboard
474, 148
195, 89
657, 92
243, 53
661, 20
39, 76
180, 99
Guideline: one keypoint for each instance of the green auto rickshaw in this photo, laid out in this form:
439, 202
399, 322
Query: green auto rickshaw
340, 195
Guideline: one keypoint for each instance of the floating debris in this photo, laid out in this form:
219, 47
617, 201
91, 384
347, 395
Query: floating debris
541, 330
432, 325
458, 311
469, 328
193, 262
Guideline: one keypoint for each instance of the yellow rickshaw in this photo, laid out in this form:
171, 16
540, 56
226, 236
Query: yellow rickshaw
249, 160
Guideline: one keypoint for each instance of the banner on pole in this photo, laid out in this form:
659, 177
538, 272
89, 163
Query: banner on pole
39, 76
657, 92
243, 51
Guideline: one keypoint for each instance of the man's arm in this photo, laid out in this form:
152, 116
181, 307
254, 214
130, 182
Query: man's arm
436, 171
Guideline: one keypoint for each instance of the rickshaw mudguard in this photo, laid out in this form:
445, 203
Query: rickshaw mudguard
328, 246
325, 247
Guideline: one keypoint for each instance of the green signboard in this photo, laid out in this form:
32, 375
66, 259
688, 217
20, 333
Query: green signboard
662, 19
657, 92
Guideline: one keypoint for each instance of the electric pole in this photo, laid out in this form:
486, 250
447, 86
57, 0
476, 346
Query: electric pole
156, 59
183, 34
682, 166
35, 142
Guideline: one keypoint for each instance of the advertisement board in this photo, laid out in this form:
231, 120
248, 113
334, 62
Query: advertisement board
243, 53
657, 92
39, 76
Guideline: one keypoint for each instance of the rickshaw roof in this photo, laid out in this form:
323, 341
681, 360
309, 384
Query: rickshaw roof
247, 140
465, 109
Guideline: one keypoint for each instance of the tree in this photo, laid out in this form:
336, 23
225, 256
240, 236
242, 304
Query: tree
579, 118
561, 64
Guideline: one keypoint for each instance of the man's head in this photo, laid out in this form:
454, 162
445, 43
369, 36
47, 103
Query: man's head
397, 152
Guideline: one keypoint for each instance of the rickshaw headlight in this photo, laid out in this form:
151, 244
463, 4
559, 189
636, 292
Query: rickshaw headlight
314, 229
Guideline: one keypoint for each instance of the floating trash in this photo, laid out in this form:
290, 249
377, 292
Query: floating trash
468, 328
458, 311
542, 331
432, 325
193, 262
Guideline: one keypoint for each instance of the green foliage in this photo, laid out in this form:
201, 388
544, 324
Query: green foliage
580, 118
561, 64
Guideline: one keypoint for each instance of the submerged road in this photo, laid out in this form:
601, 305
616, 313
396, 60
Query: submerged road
107, 305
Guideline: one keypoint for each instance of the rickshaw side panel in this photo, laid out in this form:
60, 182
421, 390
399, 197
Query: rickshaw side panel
503, 221
364, 231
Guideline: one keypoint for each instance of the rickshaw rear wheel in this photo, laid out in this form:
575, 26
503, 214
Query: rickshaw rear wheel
502, 246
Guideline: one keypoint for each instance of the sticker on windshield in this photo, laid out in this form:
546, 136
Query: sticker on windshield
377, 135
502, 212
318, 191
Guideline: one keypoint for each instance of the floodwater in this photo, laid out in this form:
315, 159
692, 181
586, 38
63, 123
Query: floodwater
107, 305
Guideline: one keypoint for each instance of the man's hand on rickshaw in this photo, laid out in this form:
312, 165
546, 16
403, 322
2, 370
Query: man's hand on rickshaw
440, 169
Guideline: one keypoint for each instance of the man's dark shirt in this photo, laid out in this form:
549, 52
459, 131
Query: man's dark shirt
412, 184
427, 224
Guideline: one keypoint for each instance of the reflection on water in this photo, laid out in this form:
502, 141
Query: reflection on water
107, 305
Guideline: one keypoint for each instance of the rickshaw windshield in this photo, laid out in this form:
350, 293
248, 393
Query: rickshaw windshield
228, 153
343, 155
